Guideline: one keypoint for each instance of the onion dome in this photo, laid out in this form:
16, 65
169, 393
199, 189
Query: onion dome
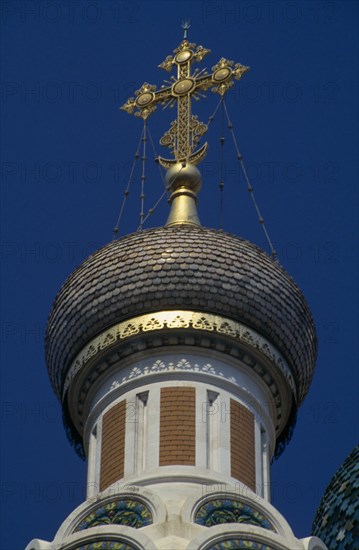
337, 518
181, 267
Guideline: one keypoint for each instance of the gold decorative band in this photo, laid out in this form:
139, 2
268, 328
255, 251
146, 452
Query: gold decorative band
174, 320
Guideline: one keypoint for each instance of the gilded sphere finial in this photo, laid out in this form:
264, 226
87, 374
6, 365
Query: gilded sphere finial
183, 175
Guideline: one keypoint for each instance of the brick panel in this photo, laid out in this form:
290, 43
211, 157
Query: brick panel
178, 426
113, 445
242, 445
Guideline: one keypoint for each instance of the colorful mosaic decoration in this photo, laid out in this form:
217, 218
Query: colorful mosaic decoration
227, 510
130, 512
236, 544
106, 545
337, 519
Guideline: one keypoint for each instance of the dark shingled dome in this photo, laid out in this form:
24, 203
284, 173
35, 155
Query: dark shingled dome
181, 267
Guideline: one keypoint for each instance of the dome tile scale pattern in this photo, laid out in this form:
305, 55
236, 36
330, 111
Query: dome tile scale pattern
337, 518
181, 267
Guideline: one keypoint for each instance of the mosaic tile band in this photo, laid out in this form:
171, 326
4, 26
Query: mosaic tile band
236, 544
129, 512
216, 512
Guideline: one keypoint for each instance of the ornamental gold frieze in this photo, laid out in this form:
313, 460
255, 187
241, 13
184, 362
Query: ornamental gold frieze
175, 320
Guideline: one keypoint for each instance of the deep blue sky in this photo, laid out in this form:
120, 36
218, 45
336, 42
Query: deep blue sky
66, 153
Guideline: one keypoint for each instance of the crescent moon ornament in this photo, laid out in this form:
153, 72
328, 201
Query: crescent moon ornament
194, 159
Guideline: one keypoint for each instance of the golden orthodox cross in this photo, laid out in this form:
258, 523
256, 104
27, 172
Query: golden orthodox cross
186, 131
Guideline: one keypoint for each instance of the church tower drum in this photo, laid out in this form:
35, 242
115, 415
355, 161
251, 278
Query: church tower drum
180, 355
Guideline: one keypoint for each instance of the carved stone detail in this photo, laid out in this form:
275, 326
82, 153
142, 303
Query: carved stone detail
169, 320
